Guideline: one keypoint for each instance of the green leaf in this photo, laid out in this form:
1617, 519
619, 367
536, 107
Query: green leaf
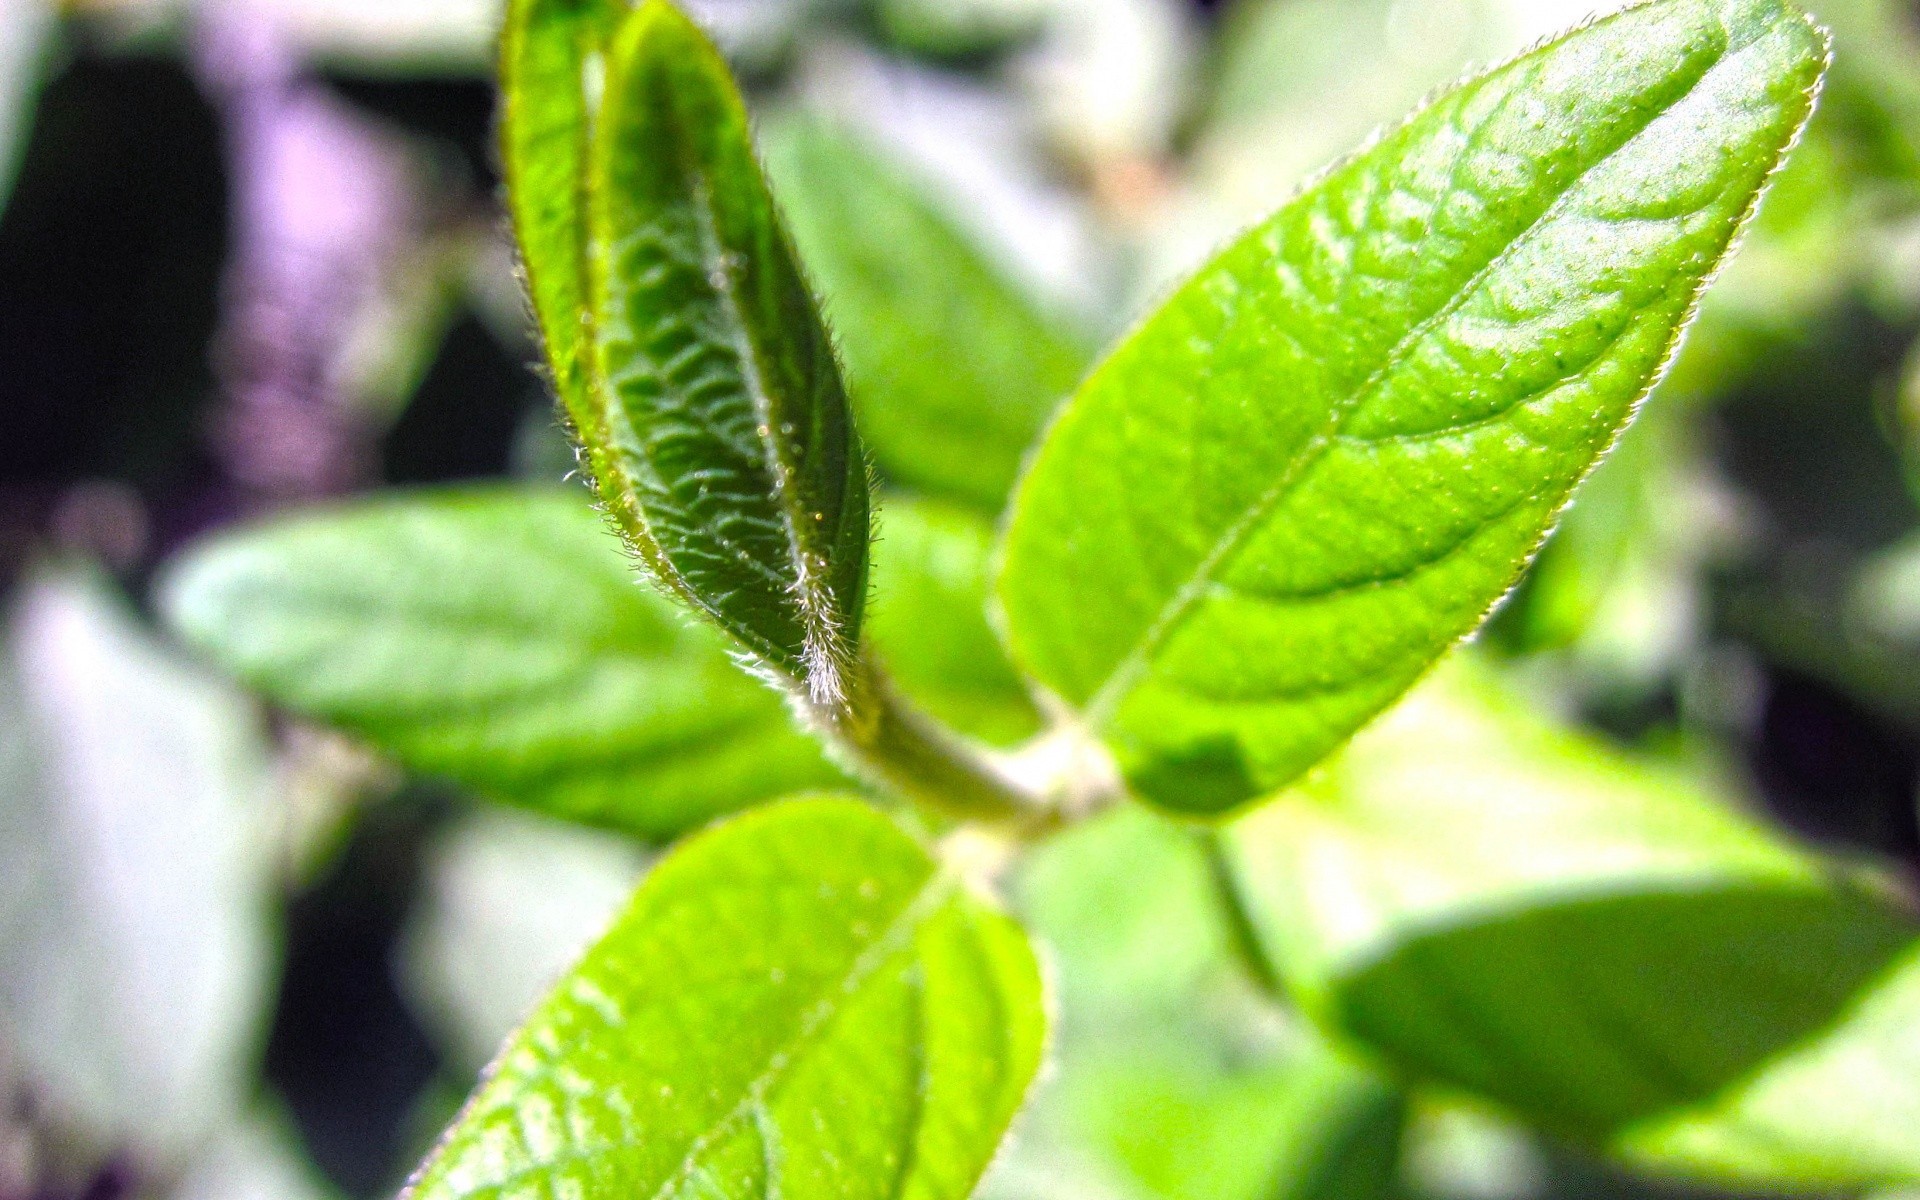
798, 1003
1312, 1127
1331, 451
496, 637
1171, 1078
25, 29
953, 368
1606, 948
545, 110
929, 620
720, 437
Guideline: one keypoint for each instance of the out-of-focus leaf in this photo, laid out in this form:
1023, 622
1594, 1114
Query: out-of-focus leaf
135, 865
1617, 587
717, 428
1169, 1127
256, 1159
798, 1003
1322, 461
1885, 598
1172, 1078
1605, 948
929, 620
500, 639
24, 26
1126, 904
954, 28
952, 366
510, 901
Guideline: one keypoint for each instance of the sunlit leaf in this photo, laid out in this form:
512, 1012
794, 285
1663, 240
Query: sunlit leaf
1331, 451
798, 1003
545, 102
1607, 949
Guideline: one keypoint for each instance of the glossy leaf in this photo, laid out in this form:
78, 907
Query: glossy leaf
1334, 448
1607, 949
952, 366
498, 638
721, 437
929, 620
798, 1003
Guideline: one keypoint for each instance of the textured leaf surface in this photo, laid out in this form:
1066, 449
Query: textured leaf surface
1334, 448
799, 1003
929, 620
952, 366
500, 639
1607, 949
723, 439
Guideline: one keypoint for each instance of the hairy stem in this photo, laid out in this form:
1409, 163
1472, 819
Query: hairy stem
930, 765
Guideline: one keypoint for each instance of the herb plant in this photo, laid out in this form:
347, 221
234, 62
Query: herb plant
1260, 520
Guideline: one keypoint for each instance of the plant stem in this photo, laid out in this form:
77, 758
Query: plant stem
1243, 938
930, 765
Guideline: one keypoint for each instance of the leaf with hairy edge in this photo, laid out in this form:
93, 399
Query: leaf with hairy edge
498, 638
952, 366
798, 1003
929, 620
724, 443
545, 118
1320, 463
1608, 949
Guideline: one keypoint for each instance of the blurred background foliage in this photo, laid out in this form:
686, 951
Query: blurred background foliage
251, 257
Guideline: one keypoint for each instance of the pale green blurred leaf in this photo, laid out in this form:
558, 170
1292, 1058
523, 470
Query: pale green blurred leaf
1172, 1078
928, 620
1605, 948
25, 26
953, 367
500, 638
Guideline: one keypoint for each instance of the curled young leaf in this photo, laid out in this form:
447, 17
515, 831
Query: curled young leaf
720, 436
545, 118
1325, 458
798, 1003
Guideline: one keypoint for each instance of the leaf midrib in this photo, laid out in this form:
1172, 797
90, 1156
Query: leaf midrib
940, 886
1106, 698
